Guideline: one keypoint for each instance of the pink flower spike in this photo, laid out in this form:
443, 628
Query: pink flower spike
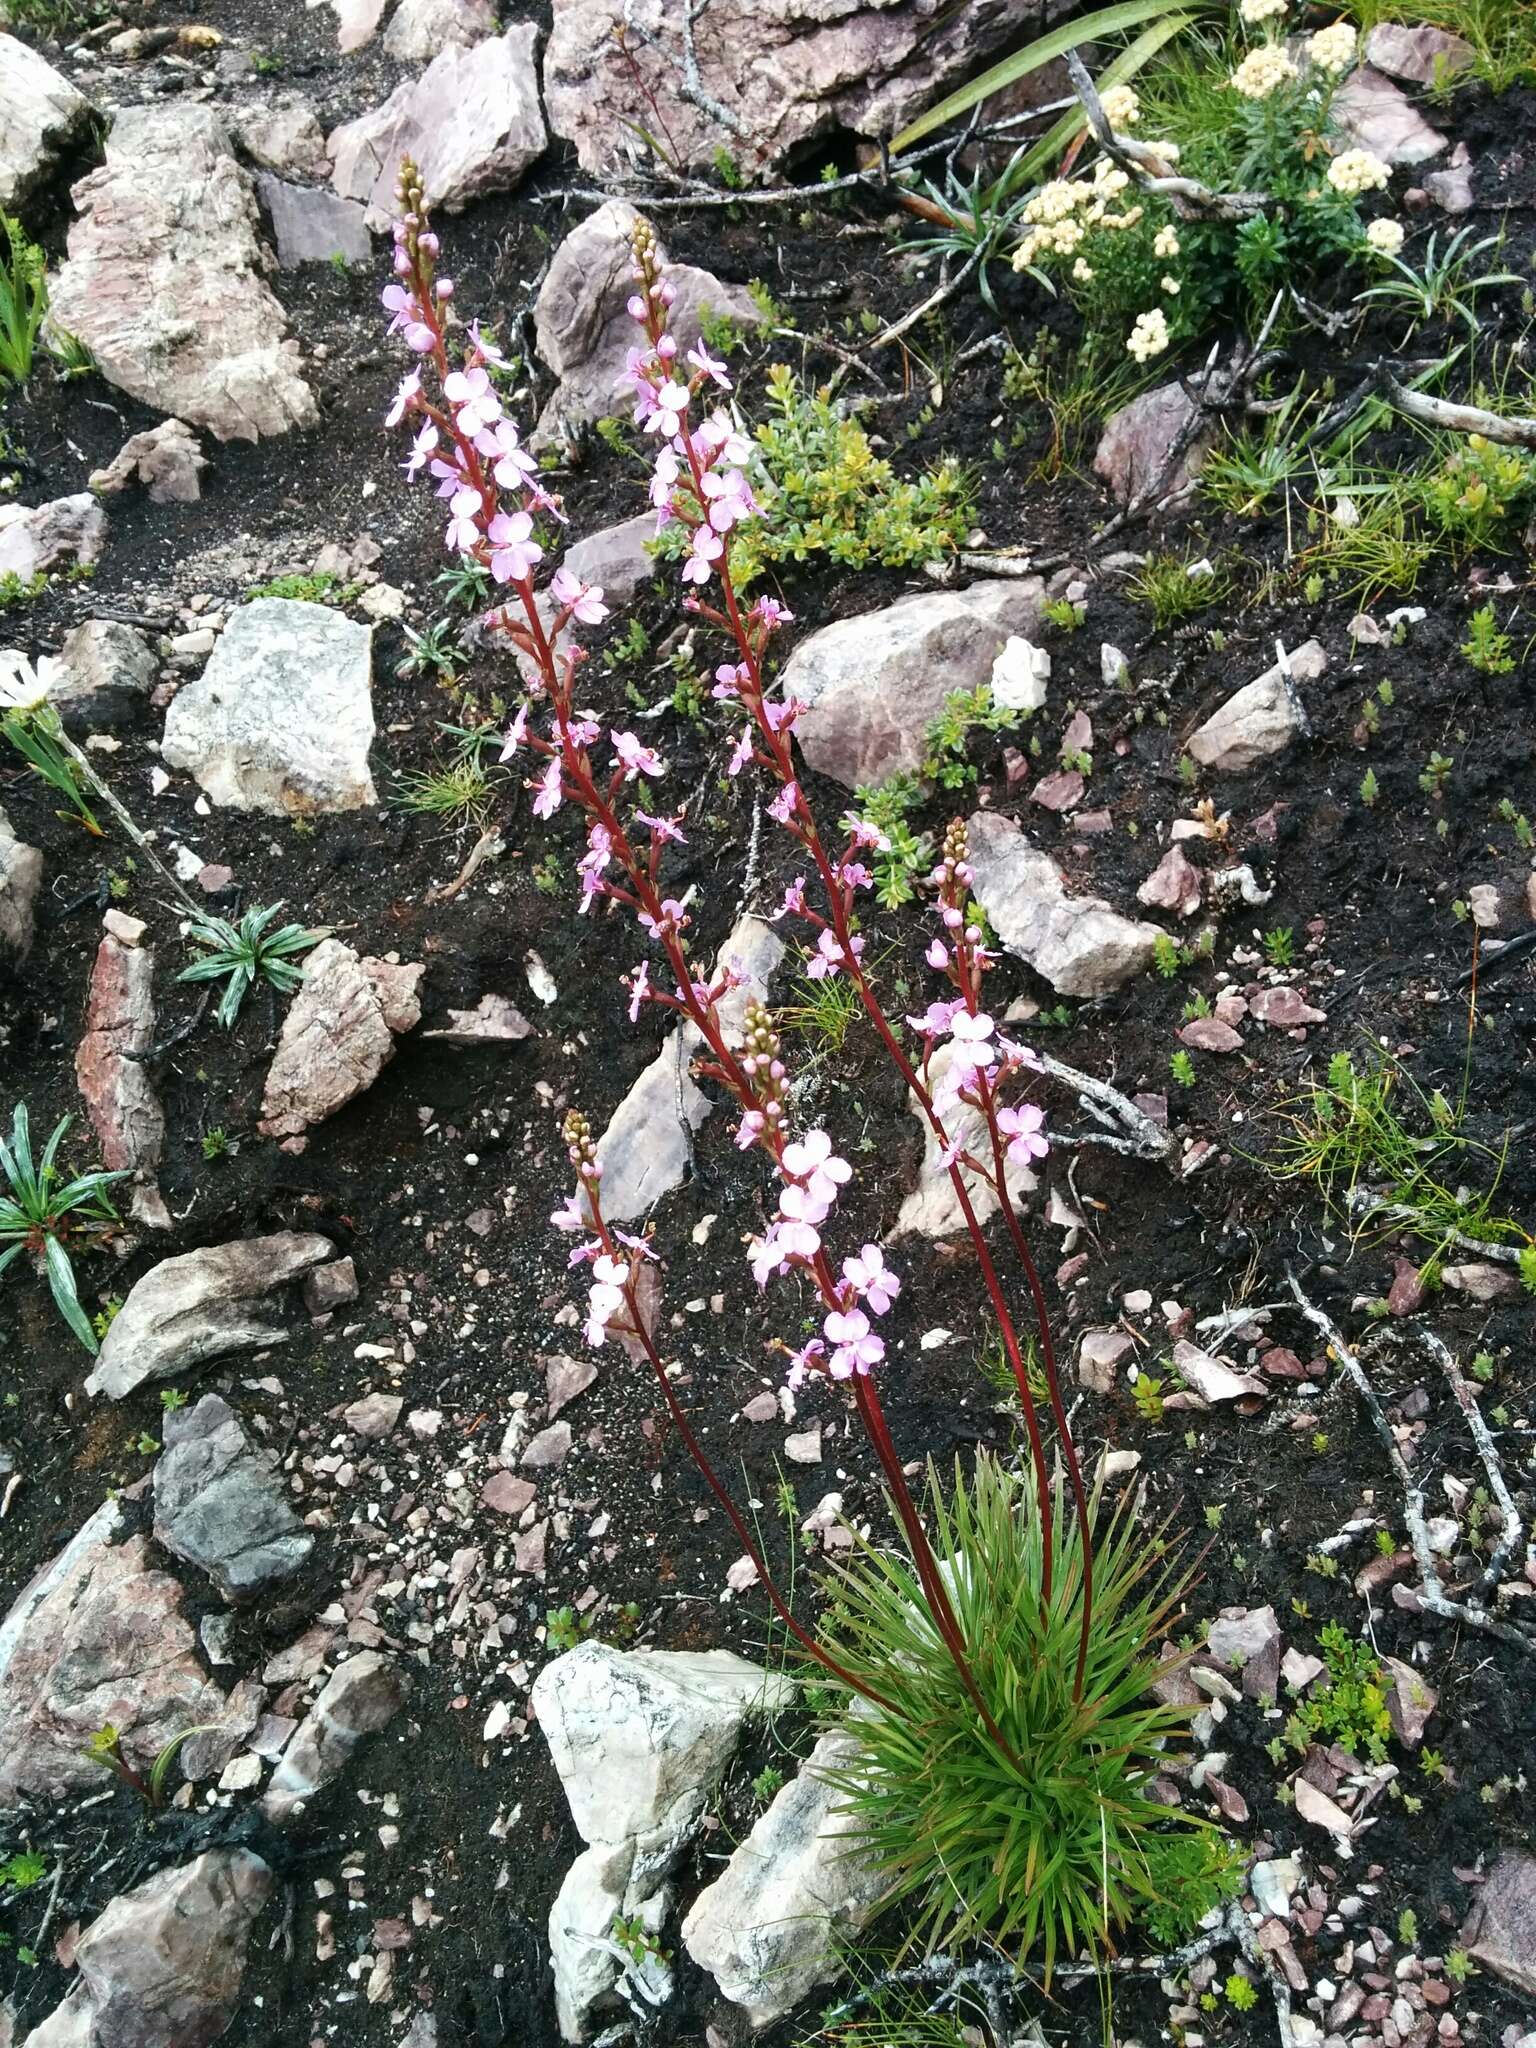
514, 552
419, 338
871, 1277
584, 600
664, 829
635, 758
741, 753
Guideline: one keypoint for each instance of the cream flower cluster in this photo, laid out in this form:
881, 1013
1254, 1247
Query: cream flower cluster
1332, 49
1121, 107
1255, 11
1358, 171
1385, 236
1149, 337
1262, 72
1062, 212
1165, 242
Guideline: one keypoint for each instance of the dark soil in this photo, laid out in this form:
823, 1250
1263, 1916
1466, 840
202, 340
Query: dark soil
469, 1317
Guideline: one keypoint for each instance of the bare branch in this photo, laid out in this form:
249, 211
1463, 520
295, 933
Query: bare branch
1459, 419
1189, 199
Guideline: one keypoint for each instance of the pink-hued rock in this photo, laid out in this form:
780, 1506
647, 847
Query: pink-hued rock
1372, 113
419, 29
1137, 440
1212, 1378
21, 878
1060, 791
1420, 55
1100, 1355
124, 1109
1284, 1009
97, 1636
471, 121
36, 538
40, 115
163, 278
1411, 1701
1500, 1930
1209, 1034
1174, 884
1258, 720
784, 71
507, 1494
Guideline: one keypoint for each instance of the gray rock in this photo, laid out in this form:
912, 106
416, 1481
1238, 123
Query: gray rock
772, 1926
219, 1505
96, 1636
166, 460
119, 1094
583, 330
21, 879
420, 29
1372, 113
495, 1020
596, 1889
281, 719
785, 71
373, 1417
331, 1286
1500, 1930
36, 538
1420, 55
1079, 944
106, 669
472, 122
162, 280
1451, 189
1247, 1639
41, 114
874, 684
1137, 441
337, 1038
1411, 1701
361, 1696
648, 1145
1099, 1356
284, 136
202, 1304
614, 558
161, 1967
310, 226
1257, 721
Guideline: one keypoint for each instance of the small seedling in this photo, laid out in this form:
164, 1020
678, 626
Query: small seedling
1165, 956
1280, 946
1241, 1993
1435, 774
105, 1747
1147, 1393
1064, 614
215, 1144
1182, 1068
1370, 788
1485, 646
769, 1780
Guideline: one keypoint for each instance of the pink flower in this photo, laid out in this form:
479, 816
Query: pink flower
812, 1160
729, 677
782, 809
663, 829
606, 1298
862, 833
854, 875
466, 507
936, 1019
794, 900
974, 1029
741, 753
830, 957
673, 918
796, 1238
664, 480
727, 500
702, 360
592, 863
569, 1216
517, 732
475, 403
405, 397
639, 989
513, 550
513, 465
706, 549
551, 790
937, 954
584, 600
401, 307
421, 449
855, 1346
770, 613
671, 402
767, 1257
750, 1129
781, 716
485, 349
871, 1277
803, 1204
806, 1360
1024, 1128
635, 758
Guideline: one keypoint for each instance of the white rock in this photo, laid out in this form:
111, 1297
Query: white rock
1078, 943
40, 114
1020, 675
419, 29
281, 719
1258, 720
769, 1928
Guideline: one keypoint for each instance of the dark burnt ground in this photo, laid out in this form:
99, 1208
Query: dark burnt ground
470, 1318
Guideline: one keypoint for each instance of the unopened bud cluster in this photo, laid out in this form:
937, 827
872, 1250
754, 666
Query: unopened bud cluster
579, 1146
761, 1063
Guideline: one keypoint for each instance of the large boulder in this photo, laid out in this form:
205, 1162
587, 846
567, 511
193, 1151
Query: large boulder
161, 1966
774, 1924
96, 1638
202, 1304
583, 329
21, 878
162, 282
337, 1038
471, 121
1079, 944
218, 1504
281, 718
781, 72
874, 684
648, 1145
41, 114
361, 1697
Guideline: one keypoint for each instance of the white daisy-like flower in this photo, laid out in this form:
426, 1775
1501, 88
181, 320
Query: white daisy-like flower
24, 687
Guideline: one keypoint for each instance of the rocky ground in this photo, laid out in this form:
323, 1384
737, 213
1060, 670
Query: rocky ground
472, 1663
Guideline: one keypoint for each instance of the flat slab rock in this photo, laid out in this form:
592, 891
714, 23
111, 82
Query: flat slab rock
581, 324
220, 1506
471, 121
338, 1036
1134, 449
1079, 944
97, 1635
161, 1966
1500, 1930
202, 1304
41, 114
162, 280
281, 718
874, 684
771, 1927
311, 226
785, 71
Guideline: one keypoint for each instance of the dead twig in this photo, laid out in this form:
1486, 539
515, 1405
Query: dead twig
1458, 419
488, 846
1125, 1127
1432, 1595
1189, 199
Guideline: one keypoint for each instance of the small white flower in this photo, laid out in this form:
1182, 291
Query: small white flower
23, 687
1255, 11
1358, 171
1149, 337
1165, 243
1385, 236
1332, 49
1262, 72
1171, 287
1082, 270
